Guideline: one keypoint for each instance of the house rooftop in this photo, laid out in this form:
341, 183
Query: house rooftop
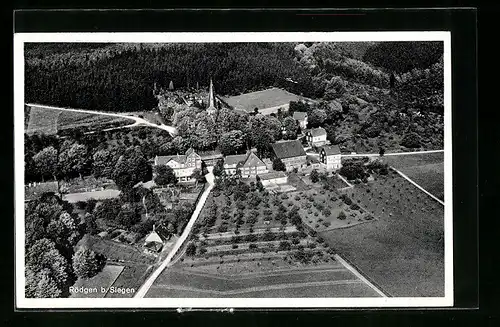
234, 159
252, 160
299, 115
212, 154
288, 149
317, 132
163, 160
331, 150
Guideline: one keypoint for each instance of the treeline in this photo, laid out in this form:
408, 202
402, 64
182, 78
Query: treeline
403, 56
52, 264
125, 81
49, 157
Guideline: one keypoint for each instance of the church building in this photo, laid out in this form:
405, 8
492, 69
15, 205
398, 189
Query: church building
212, 109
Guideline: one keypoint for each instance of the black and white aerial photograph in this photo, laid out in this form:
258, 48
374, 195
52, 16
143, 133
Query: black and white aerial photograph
233, 170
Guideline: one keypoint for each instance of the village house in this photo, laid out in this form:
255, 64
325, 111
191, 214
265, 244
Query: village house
301, 118
331, 157
316, 136
291, 153
155, 241
275, 177
249, 165
182, 165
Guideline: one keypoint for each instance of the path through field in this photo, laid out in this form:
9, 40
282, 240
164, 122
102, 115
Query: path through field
137, 120
199, 206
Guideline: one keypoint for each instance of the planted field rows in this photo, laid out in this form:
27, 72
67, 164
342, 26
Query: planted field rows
427, 170
323, 281
403, 250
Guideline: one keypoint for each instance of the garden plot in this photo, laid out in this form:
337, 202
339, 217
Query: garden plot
325, 210
223, 213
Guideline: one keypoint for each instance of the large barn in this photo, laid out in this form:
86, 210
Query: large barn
291, 153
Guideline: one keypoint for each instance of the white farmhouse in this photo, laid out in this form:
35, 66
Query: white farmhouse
316, 136
182, 165
331, 157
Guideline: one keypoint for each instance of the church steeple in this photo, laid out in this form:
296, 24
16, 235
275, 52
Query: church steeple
211, 99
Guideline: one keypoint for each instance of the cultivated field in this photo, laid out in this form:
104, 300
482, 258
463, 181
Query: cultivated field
403, 250
427, 170
52, 121
248, 243
320, 210
260, 275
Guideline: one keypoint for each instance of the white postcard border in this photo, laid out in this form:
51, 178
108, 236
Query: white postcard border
90, 303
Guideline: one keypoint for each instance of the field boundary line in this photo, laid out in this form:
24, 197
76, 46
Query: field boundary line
262, 288
359, 275
349, 185
252, 275
418, 186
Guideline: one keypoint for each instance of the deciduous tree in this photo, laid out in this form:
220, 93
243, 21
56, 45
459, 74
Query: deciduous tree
278, 165
164, 175
87, 263
46, 162
231, 142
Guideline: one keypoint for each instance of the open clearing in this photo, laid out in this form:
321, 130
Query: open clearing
403, 250
96, 195
270, 99
48, 120
427, 170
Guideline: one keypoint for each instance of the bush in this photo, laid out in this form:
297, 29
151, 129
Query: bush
341, 215
284, 246
326, 223
314, 176
191, 249
234, 246
252, 246
354, 206
222, 228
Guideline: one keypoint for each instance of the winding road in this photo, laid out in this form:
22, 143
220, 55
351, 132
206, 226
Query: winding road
201, 202
137, 120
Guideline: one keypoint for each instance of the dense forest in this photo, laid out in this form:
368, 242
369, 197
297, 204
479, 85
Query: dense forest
125, 80
119, 77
